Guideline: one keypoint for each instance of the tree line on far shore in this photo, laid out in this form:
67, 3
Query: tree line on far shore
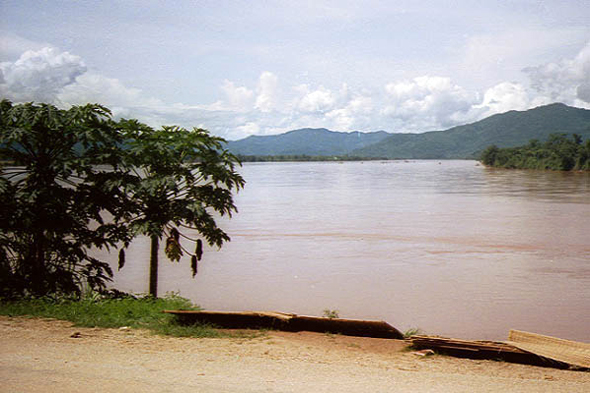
302, 158
560, 152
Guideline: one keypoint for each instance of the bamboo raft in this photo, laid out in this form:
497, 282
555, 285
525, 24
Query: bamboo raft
288, 322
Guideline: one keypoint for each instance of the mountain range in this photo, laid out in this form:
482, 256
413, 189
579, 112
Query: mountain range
306, 141
513, 128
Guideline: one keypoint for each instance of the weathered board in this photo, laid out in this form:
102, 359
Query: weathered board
577, 354
482, 350
288, 322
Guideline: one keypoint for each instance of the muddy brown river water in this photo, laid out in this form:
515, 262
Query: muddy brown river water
450, 247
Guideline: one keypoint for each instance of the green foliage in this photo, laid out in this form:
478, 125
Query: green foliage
101, 311
331, 314
489, 155
559, 152
182, 178
66, 171
412, 332
196, 331
121, 310
63, 176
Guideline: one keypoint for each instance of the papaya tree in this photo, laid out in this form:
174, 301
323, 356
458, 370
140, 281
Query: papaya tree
182, 181
59, 175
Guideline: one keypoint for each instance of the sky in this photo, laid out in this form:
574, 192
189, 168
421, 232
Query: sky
239, 68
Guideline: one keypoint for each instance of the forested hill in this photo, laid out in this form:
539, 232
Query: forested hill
514, 128
306, 141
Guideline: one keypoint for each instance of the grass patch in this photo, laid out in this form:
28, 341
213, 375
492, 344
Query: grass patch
331, 314
412, 332
95, 310
198, 330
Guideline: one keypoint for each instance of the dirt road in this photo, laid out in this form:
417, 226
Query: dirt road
39, 355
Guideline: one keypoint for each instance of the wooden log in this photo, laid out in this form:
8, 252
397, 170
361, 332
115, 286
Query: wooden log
234, 320
348, 327
288, 322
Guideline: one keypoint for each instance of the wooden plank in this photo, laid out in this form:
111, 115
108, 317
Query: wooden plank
289, 322
577, 354
464, 344
482, 350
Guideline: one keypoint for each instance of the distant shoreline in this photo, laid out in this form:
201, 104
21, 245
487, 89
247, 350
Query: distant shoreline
304, 158
309, 158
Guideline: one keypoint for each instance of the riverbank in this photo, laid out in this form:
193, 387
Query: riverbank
40, 355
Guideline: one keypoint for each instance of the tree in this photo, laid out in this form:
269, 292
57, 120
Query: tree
557, 153
75, 179
489, 155
181, 179
61, 174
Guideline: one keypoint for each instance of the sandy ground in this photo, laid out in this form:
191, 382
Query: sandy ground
38, 355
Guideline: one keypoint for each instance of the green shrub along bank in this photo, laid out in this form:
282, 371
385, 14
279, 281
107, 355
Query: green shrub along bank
107, 311
559, 153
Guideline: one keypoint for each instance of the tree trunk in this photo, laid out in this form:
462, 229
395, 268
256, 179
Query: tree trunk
154, 266
37, 268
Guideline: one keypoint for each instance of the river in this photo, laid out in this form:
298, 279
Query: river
450, 247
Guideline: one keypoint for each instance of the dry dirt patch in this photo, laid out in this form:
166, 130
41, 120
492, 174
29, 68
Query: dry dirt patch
40, 355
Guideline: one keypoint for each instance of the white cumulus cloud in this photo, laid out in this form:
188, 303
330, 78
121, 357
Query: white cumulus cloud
58, 77
267, 90
427, 101
355, 115
504, 97
566, 80
39, 75
238, 97
92, 87
320, 100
